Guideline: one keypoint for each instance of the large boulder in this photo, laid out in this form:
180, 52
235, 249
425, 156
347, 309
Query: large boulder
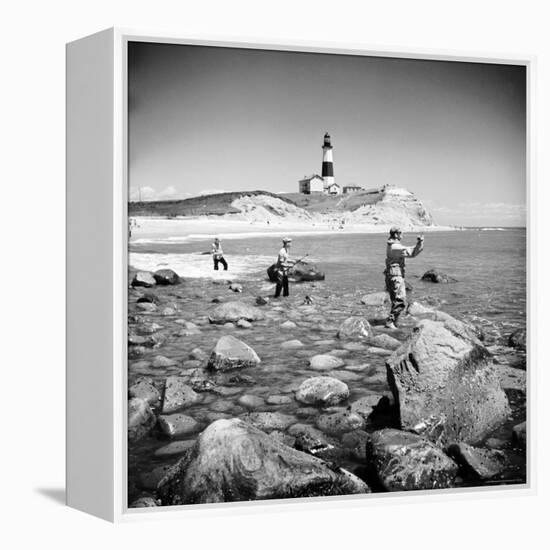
231, 312
405, 461
231, 353
322, 390
445, 385
166, 277
234, 461
356, 328
140, 418
143, 278
301, 272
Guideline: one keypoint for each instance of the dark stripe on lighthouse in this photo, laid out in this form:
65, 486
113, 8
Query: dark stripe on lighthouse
328, 170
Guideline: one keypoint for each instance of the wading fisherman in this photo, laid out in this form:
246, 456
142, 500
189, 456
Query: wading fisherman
217, 254
284, 265
395, 272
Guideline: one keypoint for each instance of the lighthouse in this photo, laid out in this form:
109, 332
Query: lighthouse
328, 168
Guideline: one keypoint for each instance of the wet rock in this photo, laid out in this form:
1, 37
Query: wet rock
174, 448
200, 382
339, 352
174, 425
251, 401
148, 328
135, 340
144, 389
229, 325
306, 412
262, 301
144, 279
365, 405
376, 299
345, 376
340, 422
436, 276
240, 379
233, 311
519, 433
278, 400
168, 311
354, 328
140, 418
288, 325
235, 287
283, 438
231, 353
511, 378
446, 386
305, 271
222, 405
166, 277
146, 307
309, 439
322, 390
476, 462
150, 298
384, 341
325, 362
518, 339
144, 502
162, 362
241, 323
356, 443
292, 344
177, 395
233, 461
269, 421
198, 354
404, 461
218, 299
379, 351
354, 346
226, 392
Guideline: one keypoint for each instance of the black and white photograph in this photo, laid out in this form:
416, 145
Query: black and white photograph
327, 268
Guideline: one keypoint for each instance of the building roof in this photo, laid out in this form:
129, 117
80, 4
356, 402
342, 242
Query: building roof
309, 178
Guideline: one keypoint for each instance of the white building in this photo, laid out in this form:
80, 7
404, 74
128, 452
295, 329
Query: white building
334, 189
311, 184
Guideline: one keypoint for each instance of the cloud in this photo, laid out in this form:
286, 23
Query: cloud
212, 191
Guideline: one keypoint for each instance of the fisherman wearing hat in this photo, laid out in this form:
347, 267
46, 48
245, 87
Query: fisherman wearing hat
284, 264
395, 272
217, 254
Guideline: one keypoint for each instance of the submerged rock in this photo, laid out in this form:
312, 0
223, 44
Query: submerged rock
325, 362
436, 276
141, 418
476, 462
166, 277
231, 312
301, 272
149, 297
231, 353
405, 461
269, 421
445, 385
233, 461
518, 339
292, 344
177, 395
322, 390
355, 328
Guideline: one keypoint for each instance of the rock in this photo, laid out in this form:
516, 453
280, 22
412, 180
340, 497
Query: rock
288, 325
168, 311
405, 461
166, 277
231, 353
143, 278
292, 344
436, 276
380, 351
519, 433
236, 287
278, 400
229, 325
262, 301
518, 339
140, 418
354, 346
146, 307
200, 382
177, 395
177, 424
148, 328
135, 340
345, 376
150, 298
354, 328
198, 354
251, 401
365, 405
175, 448
233, 311
269, 421
241, 323
144, 502
240, 379
445, 385
340, 422
511, 378
356, 443
233, 461
160, 361
476, 462
339, 352
325, 362
322, 390
309, 439
384, 341
301, 272
144, 389
376, 299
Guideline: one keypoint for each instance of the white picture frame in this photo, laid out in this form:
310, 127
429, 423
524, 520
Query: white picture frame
97, 282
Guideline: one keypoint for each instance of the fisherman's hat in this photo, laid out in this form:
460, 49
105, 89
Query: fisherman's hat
287, 240
394, 230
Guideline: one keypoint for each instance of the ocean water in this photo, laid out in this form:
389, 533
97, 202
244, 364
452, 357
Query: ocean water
490, 290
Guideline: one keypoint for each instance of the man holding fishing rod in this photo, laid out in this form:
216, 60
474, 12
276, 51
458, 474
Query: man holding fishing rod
395, 272
283, 268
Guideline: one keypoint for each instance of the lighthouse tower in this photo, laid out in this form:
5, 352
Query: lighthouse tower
328, 168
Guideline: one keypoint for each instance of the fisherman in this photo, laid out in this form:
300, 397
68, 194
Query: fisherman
217, 254
284, 265
395, 272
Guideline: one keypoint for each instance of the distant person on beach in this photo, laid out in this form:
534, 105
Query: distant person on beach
395, 272
284, 264
217, 254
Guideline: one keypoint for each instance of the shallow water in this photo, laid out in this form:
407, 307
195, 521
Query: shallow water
490, 291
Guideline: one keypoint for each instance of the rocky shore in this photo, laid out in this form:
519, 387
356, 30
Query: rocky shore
236, 396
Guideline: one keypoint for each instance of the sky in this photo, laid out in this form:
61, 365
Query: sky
205, 120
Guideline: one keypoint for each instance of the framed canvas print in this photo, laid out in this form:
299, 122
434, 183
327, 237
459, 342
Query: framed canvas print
296, 274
